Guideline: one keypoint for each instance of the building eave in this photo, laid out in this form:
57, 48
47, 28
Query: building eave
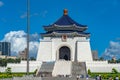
73, 34
65, 27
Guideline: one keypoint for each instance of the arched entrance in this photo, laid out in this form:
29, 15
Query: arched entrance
64, 53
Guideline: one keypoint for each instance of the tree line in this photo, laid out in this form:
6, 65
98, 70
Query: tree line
3, 62
112, 60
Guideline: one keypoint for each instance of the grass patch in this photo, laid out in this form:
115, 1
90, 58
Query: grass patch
10, 75
106, 75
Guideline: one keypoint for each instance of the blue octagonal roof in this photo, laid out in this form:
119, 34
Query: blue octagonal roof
66, 20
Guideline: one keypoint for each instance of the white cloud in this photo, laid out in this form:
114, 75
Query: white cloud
18, 42
44, 13
1, 3
33, 48
34, 14
34, 37
112, 51
24, 15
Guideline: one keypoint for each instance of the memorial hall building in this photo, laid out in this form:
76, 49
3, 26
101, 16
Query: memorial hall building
64, 49
65, 39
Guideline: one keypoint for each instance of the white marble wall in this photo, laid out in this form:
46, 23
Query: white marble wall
45, 51
79, 46
84, 51
101, 66
94, 66
21, 67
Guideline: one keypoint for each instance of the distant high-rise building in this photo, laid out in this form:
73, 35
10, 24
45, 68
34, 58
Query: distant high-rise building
5, 48
0, 52
23, 54
95, 54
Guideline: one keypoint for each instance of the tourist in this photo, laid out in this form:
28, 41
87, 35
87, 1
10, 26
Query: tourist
117, 78
110, 78
97, 78
100, 78
87, 77
77, 77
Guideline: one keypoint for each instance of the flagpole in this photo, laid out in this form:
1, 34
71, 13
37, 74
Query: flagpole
28, 31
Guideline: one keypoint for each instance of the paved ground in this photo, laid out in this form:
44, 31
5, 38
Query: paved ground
46, 78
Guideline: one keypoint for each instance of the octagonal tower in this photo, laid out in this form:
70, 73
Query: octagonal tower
65, 39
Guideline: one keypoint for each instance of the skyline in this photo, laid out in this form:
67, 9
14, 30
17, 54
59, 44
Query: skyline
102, 18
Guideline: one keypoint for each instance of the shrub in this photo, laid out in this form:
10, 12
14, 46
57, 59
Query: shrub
8, 70
114, 70
89, 72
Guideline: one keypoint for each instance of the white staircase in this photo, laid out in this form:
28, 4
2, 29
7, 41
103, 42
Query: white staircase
62, 67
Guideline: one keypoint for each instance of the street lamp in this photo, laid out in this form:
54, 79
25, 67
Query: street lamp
28, 31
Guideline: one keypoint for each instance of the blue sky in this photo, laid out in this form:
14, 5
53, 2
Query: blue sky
101, 16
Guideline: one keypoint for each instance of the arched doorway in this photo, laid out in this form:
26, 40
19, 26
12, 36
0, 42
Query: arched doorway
64, 53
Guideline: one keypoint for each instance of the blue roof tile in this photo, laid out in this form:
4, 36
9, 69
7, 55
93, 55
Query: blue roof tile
66, 20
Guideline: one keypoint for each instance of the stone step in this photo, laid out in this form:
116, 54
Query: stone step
79, 68
62, 67
46, 69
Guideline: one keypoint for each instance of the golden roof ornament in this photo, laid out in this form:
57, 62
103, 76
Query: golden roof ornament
65, 11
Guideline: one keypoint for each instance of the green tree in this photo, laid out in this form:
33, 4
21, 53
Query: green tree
17, 60
114, 70
89, 72
3, 62
32, 58
101, 58
8, 70
118, 61
10, 60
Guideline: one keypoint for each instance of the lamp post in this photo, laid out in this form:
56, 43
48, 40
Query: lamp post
28, 31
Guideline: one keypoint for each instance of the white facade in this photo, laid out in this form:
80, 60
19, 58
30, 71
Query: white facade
21, 67
94, 66
102, 66
49, 51
79, 49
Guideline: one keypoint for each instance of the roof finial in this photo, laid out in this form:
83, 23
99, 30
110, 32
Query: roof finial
65, 11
